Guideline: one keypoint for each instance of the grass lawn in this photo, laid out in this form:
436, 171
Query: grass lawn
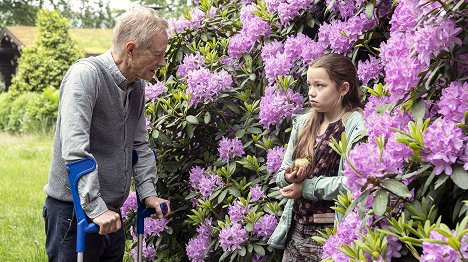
24, 165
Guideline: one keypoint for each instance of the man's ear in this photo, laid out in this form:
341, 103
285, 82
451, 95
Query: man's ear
130, 48
344, 89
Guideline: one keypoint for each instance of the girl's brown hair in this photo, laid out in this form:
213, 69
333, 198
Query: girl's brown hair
341, 70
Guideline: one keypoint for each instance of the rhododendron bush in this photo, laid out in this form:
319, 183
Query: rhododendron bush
220, 115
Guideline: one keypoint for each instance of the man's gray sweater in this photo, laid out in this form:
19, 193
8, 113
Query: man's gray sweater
101, 116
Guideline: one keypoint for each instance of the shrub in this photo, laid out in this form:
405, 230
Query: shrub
6, 100
235, 76
44, 64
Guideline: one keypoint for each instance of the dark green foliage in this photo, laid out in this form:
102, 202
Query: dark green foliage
44, 64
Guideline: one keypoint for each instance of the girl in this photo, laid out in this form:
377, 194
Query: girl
311, 188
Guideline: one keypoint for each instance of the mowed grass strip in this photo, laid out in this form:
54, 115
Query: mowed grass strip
24, 165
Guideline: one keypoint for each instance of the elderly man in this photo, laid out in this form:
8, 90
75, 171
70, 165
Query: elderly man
102, 115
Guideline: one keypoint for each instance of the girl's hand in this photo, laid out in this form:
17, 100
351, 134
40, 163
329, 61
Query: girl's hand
295, 176
293, 191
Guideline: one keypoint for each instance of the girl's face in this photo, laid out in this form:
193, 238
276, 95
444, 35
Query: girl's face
324, 95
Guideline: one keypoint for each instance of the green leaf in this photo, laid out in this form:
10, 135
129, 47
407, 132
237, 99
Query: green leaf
370, 9
192, 119
240, 133
242, 251
380, 202
207, 117
396, 187
418, 110
460, 177
259, 250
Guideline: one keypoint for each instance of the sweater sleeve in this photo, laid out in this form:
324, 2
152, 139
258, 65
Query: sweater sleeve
145, 169
79, 92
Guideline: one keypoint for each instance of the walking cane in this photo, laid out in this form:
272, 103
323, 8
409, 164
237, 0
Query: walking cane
76, 170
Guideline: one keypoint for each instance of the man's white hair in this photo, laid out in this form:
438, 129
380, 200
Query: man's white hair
138, 25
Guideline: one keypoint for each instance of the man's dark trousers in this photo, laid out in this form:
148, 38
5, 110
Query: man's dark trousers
60, 229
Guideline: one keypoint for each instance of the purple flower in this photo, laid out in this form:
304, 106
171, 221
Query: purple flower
405, 16
366, 163
443, 143
271, 49
275, 158
191, 62
454, 102
334, 33
288, 10
369, 70
442, 252
154, 227
464, 157
196, 174
401, 69
374, 102
231, 238
347, 232
202, 85
344, 7
208, 184
240, 43
265, 226
378, 124
130, 204
393, 248
256, 193
153, 92
279, 105
230, 148
237, 211
147, 124
148, 251
432, 38
196, 248
280, 65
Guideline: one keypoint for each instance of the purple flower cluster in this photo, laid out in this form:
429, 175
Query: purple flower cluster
432, 38
275, 158
367, 163
443, 144
288, 9
401, 69
193, 23
230, 148
353, 28
232, 237
369, 70
196, 248
454, 102
256, 193
191, 62
378, 124
253, 27
347, 232
374, 102
277, 105
237, 211
129, 205
265, 226
405, 17
344, 7
153, 227
443, 252
204, 181
202, 85
153, 92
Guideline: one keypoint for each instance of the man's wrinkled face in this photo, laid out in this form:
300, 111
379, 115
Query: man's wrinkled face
145, 61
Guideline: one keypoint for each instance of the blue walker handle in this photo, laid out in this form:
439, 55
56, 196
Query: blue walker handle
142, 211
75, 171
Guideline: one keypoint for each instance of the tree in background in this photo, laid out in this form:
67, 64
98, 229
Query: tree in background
44, 64
18, 12
91, 13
